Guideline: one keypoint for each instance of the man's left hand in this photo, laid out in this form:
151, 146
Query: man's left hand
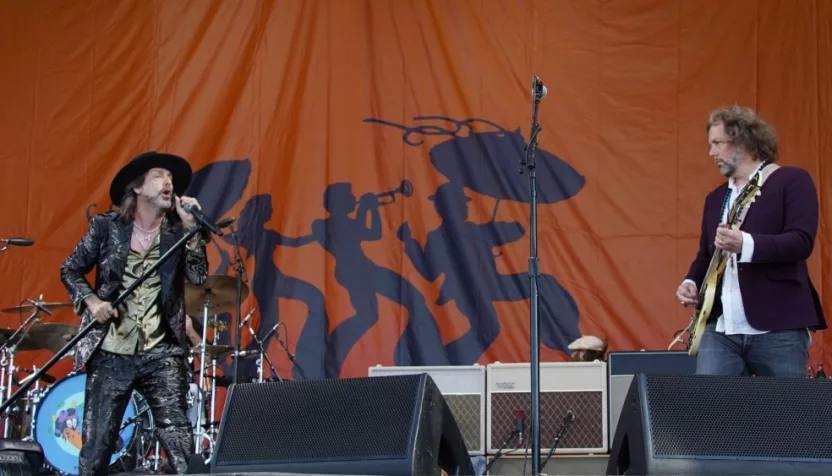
188, 220
728, 239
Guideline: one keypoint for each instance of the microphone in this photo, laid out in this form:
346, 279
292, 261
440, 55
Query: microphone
570, 417
539, 88
18, 241
247, 318
520, 422
39, 307
271, 332
225, 222
197, 213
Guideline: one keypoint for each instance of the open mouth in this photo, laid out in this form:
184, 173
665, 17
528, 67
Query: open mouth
166, 194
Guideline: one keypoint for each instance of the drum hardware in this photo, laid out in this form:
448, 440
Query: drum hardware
175, 249
263, 354
216, 296
12, 343
43, 306
241, 281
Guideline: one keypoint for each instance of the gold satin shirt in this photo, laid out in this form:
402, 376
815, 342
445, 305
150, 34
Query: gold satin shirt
138, 327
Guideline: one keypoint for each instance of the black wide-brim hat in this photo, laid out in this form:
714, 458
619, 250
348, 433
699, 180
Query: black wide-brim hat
179, 168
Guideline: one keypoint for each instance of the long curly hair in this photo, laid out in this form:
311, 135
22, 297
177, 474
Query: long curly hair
747, 130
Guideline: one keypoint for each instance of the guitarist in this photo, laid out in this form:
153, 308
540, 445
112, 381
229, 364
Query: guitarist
765, 303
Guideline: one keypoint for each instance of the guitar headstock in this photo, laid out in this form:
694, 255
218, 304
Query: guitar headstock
748, 195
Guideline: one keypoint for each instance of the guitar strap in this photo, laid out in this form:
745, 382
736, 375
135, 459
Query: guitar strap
765, 173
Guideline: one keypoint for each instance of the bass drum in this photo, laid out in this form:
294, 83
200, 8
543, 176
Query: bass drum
60, 420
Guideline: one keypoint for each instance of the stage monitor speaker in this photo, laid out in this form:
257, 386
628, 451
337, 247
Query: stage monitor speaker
463, 388
20, 458
396, 425
709, 425
623, 365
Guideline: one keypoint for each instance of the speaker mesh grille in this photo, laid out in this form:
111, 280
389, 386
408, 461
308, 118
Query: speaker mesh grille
587, 431
292, 421
466, 411
740, 416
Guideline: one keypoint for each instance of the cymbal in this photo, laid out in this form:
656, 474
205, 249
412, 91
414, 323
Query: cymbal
220, 292
220, 326
213, 351
49, 336
29, 308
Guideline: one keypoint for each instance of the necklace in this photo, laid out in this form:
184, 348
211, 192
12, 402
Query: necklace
148, 234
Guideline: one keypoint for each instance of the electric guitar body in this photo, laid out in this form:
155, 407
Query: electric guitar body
710, 286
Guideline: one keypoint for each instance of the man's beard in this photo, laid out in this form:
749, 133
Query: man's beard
729, 166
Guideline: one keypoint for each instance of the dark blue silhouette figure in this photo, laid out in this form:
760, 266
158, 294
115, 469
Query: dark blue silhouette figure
270, 283
341, 236
463, 252
218, 187
488, 163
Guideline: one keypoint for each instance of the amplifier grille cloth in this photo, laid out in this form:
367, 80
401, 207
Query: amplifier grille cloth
586, 431
466, 411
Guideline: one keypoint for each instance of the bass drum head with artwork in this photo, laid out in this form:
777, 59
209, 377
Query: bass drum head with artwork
60, 421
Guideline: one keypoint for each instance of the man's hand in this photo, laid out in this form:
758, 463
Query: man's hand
188, 220
687, 294
728, 239
102, 311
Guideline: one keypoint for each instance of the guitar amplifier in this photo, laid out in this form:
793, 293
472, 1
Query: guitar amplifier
463, 388
622, 367
579, 387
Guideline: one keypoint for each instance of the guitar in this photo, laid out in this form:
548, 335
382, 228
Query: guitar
707, 292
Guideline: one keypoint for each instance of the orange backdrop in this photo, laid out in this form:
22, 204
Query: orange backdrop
289, 109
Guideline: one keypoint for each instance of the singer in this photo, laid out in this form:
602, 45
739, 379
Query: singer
142, 345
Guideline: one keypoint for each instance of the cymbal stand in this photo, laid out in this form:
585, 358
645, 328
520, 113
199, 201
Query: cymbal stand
199, 400
9, 349
242, 277
211, 429
264, 355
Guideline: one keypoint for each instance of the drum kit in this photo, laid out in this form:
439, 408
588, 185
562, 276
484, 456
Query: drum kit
51, 412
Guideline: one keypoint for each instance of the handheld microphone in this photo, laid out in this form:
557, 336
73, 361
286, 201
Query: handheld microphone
18, 241
197, 213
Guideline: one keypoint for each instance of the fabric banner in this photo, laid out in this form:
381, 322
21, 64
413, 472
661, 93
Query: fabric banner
371, 153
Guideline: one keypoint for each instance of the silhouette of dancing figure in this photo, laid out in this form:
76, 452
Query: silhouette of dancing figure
463, 251
341, 236
269, 284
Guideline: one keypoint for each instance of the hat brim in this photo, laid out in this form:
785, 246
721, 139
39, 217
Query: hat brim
179, 168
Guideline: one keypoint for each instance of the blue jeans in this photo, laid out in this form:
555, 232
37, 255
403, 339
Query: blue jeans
775, 354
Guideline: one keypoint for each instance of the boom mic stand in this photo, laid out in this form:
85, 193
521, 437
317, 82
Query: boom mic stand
86, 330
528, 161
242, 277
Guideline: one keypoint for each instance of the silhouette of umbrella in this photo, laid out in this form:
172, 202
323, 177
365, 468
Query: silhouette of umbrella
489, 163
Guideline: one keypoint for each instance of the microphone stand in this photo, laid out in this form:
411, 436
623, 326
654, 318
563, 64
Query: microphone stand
241, 277
86, 330
528, 161
263, 354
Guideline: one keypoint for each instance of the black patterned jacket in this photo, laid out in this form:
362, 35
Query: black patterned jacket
105, 247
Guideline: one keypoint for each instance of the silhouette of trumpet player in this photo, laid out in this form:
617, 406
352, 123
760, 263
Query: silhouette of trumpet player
341, 236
